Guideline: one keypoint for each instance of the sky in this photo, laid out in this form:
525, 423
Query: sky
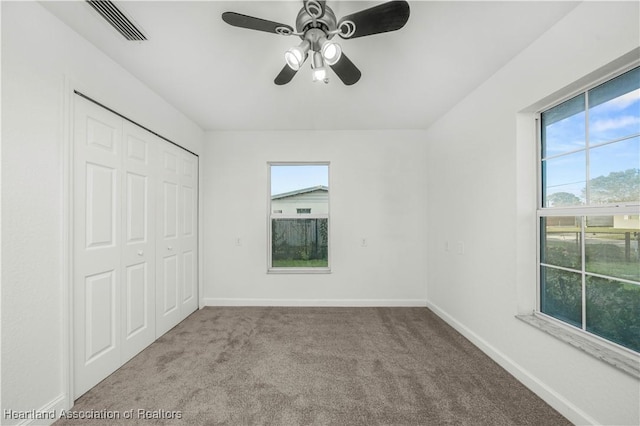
618, 118
286, 178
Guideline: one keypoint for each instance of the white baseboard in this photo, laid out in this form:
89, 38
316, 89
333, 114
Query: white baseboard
50, 412
551, 397
317, 302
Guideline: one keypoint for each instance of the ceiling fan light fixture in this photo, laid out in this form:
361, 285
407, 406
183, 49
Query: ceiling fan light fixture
319, 72
331, 52
296, 56
294, 59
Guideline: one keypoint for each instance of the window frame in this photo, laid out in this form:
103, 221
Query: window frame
582, 211
270, 216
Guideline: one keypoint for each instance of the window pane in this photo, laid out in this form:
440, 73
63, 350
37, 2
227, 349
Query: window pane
614, 108
563, 180
560, 242
590, 264
299, 243
612, 246
563, 127
561, 295
614, 171
300, 189
613, 311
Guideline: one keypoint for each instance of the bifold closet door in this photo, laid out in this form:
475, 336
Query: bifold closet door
176, 248
135, 240
115, 164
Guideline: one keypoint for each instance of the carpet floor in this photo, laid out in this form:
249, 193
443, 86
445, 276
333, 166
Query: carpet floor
312, 366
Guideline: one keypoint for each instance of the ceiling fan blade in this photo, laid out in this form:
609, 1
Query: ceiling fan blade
244, 21
390, 16
285, 76
346, 70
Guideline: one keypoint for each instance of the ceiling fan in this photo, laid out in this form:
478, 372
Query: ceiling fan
316, 25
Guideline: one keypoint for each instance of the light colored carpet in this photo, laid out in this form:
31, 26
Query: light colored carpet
315, 366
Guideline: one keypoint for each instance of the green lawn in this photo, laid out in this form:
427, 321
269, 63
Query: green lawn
627, 270
592, 229
291, 263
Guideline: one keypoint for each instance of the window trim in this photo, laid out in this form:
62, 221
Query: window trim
597, 346
297, 270
618, 356
589, 84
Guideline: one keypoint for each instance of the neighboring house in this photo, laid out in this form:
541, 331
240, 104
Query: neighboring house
628, 222
314, 200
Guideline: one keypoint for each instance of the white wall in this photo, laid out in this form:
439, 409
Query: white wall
481, 194
377, 192
42, 61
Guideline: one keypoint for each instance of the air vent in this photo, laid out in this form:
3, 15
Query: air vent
117, 19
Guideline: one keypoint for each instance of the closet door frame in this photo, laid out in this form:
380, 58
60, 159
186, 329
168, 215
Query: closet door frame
70, 91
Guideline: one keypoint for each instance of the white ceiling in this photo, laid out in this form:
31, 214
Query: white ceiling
222, 76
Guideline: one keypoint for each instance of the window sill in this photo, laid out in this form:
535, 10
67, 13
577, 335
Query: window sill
299, 271
620, 359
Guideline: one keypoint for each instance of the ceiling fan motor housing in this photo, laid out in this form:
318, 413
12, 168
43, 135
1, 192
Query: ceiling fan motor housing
327, 22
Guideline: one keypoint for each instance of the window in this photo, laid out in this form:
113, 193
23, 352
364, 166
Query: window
299, 217
589, 206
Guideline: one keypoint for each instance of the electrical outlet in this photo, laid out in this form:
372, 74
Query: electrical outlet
238, 241
363, 242
460, 247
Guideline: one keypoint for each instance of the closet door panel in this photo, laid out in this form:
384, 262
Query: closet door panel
170, 295
168, 249
97, 265
137, 295
138, 234
100, 316
189, 280
188, 231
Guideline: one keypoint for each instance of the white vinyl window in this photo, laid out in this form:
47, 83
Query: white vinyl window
298, 217
589, 211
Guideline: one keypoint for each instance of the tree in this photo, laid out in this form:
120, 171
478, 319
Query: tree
562, 199
615, 187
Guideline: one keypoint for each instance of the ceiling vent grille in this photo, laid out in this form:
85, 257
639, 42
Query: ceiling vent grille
117, 19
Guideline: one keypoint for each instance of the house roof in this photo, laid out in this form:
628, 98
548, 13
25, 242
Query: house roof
300, 191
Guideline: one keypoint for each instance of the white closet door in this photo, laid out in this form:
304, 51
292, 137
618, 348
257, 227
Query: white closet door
97, 244
135, 240
138, 235
168, 249
188, 232
177, 237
